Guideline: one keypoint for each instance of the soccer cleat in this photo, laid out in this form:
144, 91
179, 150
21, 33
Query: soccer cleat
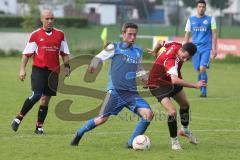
75, 140
39, 131
188, 134
175, 144
128, 146
203, 96
15, 124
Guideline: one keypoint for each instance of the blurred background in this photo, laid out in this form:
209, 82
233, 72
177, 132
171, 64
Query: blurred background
90, 23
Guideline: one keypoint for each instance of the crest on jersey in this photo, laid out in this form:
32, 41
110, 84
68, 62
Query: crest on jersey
205, 22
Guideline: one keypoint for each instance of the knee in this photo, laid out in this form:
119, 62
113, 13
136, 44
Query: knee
35, 96
45, 100
100, 120
202, 69
148, 115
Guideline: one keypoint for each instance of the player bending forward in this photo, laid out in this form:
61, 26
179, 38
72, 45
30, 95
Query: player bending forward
165, 81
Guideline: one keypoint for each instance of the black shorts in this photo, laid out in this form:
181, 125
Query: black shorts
44, 80
161, 93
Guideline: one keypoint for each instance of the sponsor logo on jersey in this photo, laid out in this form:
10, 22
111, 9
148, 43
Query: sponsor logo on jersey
205, 22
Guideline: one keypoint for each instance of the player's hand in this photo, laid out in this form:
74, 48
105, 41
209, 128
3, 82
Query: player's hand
67, 71
91, 69
213, 53
200, 84
150, 51
22, 74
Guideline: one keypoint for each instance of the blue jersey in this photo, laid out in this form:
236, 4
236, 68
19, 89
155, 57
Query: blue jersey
201, 30
124, 66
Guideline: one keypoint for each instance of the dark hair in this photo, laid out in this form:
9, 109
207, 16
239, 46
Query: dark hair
129, 25
201, 1
190, 48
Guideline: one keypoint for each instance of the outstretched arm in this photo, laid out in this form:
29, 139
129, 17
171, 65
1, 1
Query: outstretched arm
105, 54
178, 81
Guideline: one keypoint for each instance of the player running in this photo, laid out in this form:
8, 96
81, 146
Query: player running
126, 60
165, 81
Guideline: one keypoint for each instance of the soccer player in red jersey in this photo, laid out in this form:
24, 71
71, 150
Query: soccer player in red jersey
165, 81
45, 45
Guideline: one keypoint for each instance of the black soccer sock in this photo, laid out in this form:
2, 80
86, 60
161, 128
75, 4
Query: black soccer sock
172, 126
27, 106
184, 114
42, 113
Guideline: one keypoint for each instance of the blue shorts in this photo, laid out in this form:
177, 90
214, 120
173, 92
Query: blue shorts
201, 59
115, 101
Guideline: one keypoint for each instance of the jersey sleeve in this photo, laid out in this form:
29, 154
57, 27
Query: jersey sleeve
188, 26
107, 53
171, 66
213, 23
31, 46
64, 50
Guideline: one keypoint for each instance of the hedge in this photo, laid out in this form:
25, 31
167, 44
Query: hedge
13, 21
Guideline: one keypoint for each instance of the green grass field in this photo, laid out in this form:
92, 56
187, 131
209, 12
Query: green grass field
215, 121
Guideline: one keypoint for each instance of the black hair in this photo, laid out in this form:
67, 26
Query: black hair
201, 1
129, 25
190, 48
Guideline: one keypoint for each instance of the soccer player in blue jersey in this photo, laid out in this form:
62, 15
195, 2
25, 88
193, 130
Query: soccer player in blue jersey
204, 36
122, 92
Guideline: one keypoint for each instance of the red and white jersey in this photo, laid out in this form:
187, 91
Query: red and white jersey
46, 48
166, 64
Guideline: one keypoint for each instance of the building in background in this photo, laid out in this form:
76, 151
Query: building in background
9, 7
108, 12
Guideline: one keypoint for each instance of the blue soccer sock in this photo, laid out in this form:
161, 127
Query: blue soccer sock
87, 127
199, 77
203, 76
140, 129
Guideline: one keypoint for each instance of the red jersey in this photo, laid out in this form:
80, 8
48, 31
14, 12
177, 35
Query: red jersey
46, 48
166, 64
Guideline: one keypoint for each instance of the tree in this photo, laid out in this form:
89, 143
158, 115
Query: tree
31, 19
220, 4
189, 3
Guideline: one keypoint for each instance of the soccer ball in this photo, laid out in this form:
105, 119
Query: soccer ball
141, 142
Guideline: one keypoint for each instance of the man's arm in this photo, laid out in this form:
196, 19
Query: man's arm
214, 44
105, 54
67, 69
214, 38
186, 37
156, 49
178, 81
187, 31
22, 73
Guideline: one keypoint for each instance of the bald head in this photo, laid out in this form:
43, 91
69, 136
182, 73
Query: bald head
47, 19
46, 12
